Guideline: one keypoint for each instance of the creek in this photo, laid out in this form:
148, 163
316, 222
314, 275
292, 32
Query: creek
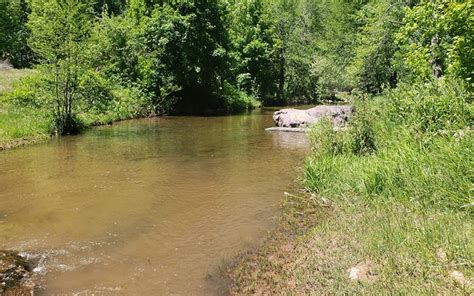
149, 206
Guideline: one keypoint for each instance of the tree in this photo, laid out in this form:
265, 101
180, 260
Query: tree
437, 39
373, 63
334, 46
59, 29
286, 20
112, 7
14, 33
300, 79
186, 52
252, 35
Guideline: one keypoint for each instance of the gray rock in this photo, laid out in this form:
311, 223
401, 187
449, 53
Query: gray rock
293, 118
15, 274
287, 129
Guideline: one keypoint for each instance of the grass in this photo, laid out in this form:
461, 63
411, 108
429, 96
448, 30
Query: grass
9, 76
19, 125
387, 198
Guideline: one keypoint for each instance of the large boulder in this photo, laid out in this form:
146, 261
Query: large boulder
293, 118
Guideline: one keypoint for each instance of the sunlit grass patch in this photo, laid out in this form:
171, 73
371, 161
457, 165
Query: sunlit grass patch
9, 76
19, 123
19, 126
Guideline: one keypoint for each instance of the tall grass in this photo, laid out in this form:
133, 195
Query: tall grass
400, 178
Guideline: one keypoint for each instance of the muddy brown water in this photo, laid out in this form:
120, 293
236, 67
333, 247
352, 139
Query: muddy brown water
146, 207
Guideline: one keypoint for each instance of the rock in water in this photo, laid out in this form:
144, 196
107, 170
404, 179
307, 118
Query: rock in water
15, 273
293, 118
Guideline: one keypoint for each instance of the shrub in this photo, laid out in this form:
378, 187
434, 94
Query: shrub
434, 107
95, 91
362, 135
68, 124
30, 91
235, 100
122, 103
325, 140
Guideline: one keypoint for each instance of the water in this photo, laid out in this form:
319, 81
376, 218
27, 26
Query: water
146, 207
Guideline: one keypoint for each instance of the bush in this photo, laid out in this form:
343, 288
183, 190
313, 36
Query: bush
236, 101
68, 124
95, 92
30, 91
358, 138
362, 134
122, 103
434, 107
326, 141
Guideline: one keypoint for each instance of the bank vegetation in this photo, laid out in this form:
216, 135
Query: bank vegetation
387, 202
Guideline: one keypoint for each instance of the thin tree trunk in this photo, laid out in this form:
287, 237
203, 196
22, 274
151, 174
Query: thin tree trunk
435, 57
281, 78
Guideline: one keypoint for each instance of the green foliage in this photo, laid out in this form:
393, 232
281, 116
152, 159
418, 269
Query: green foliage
434, 107
297, 31
29, 92
272, 44
112, 7
163, 40
113, 48
326, 140
95, 92
357, 138
437, 36
362, 134
13, 46
253, 39
121, 103
402, 168
204, 49
372, 66
59, 30
237, 101
335, 43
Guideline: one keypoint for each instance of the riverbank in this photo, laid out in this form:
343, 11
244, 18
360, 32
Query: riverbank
25, 108
26, 104
386, 209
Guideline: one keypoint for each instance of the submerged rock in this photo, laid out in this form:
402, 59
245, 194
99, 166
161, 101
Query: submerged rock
287, 129
293, 118
15, 274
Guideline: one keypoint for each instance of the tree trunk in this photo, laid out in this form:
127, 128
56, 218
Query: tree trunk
435, 61
281, 76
